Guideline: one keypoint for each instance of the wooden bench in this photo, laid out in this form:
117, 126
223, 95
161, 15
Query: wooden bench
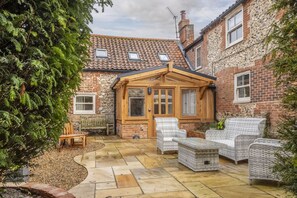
70, 134
99, 122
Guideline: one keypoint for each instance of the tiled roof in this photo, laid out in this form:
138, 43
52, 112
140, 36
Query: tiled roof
118, 48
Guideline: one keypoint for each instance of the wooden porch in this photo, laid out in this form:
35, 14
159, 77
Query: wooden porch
165, 91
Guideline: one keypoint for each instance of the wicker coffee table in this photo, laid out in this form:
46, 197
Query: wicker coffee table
198, 154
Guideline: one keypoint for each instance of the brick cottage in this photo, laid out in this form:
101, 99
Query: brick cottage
232, 48
131, 78
138, 79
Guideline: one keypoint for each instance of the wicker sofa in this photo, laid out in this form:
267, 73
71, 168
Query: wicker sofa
167, 129
238, 134
262, 159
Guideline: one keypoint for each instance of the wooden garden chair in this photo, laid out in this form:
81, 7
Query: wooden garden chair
69, 134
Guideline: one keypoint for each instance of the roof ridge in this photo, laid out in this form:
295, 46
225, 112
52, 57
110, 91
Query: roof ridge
133, 38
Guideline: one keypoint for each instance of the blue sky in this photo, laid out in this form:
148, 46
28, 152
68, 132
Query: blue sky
151, 18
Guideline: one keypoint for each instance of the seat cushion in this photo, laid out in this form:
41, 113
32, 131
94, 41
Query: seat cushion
229, 143
168, 139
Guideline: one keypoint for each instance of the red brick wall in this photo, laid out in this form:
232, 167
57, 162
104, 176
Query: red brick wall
265, 97
127, 131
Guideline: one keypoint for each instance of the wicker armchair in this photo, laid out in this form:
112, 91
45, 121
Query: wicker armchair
262, 159
238, 134
167, 129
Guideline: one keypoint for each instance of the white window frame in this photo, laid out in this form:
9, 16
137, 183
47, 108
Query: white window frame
195, 104
98, 49
84, 111
236, 98
229, 16
164, 54
197, 67
130, 58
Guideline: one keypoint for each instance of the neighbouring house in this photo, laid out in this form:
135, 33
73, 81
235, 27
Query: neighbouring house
138, 79
232, 47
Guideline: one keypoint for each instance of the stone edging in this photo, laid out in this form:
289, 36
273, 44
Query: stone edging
47, 190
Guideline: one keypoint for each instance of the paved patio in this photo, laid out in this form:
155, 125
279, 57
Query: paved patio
134, 168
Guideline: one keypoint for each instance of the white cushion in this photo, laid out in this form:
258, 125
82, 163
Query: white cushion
167, 139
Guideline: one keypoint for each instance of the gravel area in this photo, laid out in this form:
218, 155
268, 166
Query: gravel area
57, 168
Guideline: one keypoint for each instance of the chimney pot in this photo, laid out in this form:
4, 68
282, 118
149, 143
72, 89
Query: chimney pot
183, 14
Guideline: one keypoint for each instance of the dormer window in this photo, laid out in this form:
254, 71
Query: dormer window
163, 57
133, 56
101, 53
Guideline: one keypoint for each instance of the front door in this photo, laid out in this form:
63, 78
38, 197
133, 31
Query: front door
163, 105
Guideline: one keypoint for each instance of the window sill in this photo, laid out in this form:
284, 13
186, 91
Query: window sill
242, 101
234, 43
84, 113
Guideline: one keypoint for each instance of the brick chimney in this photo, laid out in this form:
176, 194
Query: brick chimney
186, 30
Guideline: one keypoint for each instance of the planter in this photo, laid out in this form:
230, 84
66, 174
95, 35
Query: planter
197, 134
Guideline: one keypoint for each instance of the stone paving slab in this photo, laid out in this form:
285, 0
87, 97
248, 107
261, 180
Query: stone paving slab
134, 168
157, 185
141, 174
126, 181
118, 192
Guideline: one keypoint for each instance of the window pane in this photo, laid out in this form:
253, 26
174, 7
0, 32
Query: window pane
156, 101
163, 57
239, 33
246, 79
133, 55
241, 92
88, 107
189, 102
238, 18
169, 96
239, 80
232, 36
79, 107
163, 108
169, 101
247, 92
101, 53
136, 101
156, 109
163, 96
80, 99
136, 92
169, 108
88, 99
198, 57
231, 23
137, 106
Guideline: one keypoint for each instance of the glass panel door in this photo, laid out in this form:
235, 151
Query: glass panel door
163, 102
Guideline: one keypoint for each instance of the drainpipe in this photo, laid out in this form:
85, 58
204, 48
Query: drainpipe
212, 87
115, 110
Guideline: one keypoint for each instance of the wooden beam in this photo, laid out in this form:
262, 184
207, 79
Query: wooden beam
124, 87
145, 74
184, 78
170, 66
202, 91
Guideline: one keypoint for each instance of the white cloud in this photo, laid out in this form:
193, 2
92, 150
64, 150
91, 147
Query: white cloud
140, 18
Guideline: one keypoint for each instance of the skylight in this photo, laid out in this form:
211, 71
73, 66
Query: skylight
101, 53
163, 57
133, 56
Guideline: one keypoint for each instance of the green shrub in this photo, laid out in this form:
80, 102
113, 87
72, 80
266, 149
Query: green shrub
43, 48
